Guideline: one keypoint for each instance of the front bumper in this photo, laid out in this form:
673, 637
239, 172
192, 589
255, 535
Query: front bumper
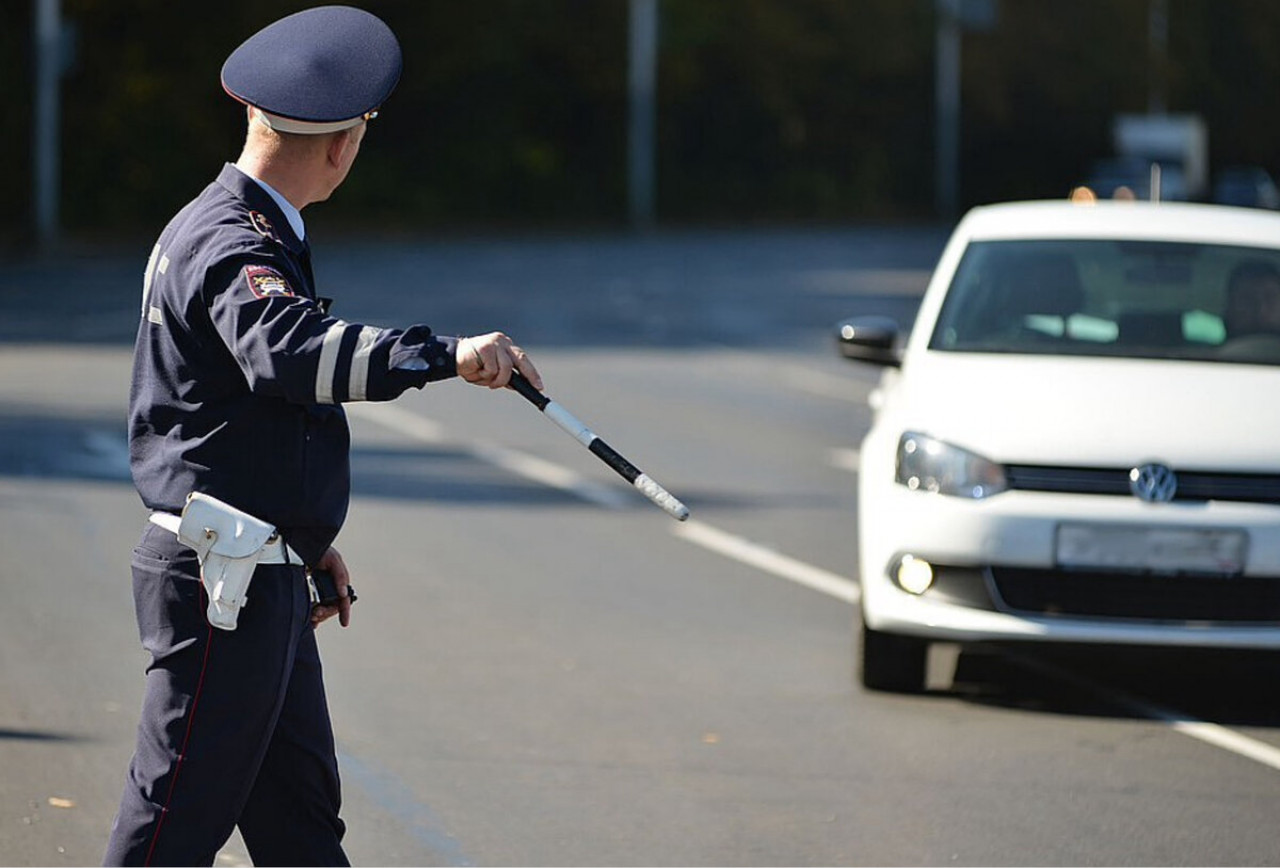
997, 576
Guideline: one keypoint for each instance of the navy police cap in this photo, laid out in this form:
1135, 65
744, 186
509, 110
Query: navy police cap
316, 71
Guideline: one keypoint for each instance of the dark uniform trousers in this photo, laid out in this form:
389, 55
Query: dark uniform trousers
235, 729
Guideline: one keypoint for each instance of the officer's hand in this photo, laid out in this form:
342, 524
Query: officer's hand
487, 360
332, 561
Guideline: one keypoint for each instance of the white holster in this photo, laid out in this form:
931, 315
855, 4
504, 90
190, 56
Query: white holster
229, 544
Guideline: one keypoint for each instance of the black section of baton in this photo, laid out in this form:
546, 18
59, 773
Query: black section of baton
525, 388
602, 450
605, 453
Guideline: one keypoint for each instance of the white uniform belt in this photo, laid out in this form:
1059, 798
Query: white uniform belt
276, 550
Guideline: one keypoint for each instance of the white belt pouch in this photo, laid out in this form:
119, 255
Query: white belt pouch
228, 544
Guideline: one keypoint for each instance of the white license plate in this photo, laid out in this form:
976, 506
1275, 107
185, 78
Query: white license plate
1157, 549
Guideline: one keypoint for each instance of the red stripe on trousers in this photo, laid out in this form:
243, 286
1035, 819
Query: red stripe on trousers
186, 739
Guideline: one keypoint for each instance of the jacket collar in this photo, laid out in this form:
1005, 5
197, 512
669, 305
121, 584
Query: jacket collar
259, 201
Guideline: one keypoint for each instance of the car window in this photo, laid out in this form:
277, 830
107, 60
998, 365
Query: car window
1143, 299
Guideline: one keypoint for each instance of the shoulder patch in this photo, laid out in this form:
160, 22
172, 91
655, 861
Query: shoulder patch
265, 281
263, 225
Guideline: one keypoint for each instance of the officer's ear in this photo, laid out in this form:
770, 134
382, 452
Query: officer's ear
342, 148
336, 148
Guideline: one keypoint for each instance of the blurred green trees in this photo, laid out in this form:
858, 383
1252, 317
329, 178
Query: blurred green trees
512, 113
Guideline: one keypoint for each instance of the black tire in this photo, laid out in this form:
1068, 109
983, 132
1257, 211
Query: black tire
891, 662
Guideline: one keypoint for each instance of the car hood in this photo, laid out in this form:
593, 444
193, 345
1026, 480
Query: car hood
1088, 412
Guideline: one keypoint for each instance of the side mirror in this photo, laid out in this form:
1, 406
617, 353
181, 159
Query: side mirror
873, 339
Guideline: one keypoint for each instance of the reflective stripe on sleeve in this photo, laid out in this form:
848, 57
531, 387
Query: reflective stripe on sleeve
327, 367
148, 275
358, 386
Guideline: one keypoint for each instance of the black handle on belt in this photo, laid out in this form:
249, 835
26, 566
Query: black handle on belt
327, 588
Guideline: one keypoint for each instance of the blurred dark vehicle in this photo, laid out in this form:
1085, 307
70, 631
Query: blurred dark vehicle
1247, 186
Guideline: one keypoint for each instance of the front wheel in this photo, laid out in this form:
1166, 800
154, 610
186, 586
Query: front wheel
892, 662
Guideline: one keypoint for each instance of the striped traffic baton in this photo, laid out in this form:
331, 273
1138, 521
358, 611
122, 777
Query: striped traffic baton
599, 448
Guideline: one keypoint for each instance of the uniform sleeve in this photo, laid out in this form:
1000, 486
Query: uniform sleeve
286, 346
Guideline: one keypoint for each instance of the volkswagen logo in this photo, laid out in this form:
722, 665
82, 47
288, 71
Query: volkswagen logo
1154, 483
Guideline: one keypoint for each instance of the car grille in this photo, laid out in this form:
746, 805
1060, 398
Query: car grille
1192, 486
1138, 596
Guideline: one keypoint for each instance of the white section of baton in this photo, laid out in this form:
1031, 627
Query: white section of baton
647, 486
661, 497
569, 423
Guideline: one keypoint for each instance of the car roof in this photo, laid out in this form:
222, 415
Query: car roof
1159, 221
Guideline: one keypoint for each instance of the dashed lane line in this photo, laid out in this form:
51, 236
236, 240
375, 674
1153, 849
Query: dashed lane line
520, 463
766, 559
845, 459
1210, 733
793, 570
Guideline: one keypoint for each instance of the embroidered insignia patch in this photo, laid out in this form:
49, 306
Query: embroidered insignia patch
263, 225
265, 282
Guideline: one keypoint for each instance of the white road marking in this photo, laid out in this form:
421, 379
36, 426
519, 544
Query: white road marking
1209, 733
400, 420
826, 385
1219, 736
520, 463
770, 561
845, 459
550, 474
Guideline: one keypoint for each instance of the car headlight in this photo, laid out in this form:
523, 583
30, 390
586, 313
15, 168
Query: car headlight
927, 464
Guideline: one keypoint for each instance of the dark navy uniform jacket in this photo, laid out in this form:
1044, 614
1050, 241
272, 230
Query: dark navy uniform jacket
239, 372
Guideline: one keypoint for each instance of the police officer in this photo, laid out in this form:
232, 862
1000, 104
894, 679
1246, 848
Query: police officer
239, 376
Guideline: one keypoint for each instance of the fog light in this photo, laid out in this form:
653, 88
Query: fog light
914, 575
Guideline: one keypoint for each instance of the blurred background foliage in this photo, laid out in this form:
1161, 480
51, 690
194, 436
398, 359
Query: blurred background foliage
512, 114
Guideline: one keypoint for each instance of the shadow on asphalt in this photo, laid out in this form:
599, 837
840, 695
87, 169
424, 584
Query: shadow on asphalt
39, 735
1229, 687
35, 444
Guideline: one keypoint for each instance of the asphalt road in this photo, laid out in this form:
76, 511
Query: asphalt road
544, 668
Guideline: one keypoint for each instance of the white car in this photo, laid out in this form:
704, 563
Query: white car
1079, 439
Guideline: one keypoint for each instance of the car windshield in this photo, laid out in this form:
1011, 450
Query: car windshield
1141, 299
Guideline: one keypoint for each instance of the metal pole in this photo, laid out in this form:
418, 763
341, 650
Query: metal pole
46, 149
947, 118
641, 84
